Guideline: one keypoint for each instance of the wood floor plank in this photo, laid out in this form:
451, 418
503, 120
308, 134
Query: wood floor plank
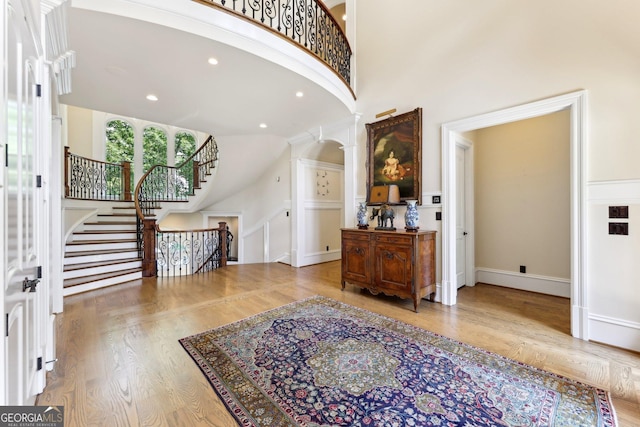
120, 363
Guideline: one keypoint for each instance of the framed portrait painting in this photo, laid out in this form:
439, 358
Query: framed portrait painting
394, 148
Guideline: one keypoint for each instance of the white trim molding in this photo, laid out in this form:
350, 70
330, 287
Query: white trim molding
555, 286
617, 332
605, 192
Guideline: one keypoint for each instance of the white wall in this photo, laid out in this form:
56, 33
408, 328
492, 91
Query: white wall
613, 273
462, 58
79, 123
263, 204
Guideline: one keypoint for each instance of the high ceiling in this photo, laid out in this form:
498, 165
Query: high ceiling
119, 61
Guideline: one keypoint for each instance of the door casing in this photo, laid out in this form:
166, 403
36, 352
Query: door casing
576, 103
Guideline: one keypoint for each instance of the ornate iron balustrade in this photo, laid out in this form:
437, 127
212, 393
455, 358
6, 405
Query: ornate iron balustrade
308, 23
175, 183
181, 253
168, 184
95, 180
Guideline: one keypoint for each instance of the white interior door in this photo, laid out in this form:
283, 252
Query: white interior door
461, 233
25, 307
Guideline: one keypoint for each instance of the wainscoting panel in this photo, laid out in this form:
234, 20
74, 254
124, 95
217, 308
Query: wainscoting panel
613, 274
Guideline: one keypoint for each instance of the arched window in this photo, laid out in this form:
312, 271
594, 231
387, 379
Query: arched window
119, 148
154, 145
185, 144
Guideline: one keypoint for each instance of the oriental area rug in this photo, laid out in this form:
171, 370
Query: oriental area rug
319, 362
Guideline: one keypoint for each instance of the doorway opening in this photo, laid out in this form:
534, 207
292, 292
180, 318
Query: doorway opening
576, 104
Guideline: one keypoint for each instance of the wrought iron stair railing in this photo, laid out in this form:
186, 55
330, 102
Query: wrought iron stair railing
90, 179
307, 23
168, 184
186, 252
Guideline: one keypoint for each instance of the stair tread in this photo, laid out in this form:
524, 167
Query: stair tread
110, 223
105, 232
84, 265
124, 215
98, 252
95, 277
96, 242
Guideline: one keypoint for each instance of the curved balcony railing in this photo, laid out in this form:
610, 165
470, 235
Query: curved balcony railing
90, 179
308, 23
168, 184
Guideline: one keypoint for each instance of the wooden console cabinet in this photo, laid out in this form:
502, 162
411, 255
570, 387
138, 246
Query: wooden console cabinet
395, 263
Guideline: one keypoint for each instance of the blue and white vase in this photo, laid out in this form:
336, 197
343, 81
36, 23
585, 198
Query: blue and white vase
411, 216
363, 222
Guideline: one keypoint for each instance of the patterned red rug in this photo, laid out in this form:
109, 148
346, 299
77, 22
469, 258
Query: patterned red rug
319, 362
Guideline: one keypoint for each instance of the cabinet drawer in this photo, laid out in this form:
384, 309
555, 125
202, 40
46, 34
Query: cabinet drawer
360, 237
392, 239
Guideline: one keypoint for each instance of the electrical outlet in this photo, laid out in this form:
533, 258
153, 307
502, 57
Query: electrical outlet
523, 269
438, 216
621, 228
618, 211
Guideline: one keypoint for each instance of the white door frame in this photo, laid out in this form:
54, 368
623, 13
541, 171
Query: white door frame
576, 103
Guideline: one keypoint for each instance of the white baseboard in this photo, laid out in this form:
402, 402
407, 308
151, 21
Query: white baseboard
617, 332
284, 259
526, 282
320, 257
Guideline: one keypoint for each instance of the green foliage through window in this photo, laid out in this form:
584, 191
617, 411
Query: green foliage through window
119, 148
119, 142
154, 144
185, 144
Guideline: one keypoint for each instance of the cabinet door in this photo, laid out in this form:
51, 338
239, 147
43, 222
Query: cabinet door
394, 271
356, 259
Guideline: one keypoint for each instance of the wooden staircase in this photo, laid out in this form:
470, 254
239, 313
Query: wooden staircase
103, 251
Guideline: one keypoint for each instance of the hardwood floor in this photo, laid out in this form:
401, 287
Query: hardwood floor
120, 363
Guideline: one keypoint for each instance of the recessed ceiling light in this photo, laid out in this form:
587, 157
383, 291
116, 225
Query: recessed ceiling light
263, 125
213, 61
299, 94
152, 97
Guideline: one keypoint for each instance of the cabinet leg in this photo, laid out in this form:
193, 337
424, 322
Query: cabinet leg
416, 301
343, 284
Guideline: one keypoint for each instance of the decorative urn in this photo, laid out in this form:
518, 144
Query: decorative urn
411, 216
363, 222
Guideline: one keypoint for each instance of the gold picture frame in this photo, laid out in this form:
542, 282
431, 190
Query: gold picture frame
394, 148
